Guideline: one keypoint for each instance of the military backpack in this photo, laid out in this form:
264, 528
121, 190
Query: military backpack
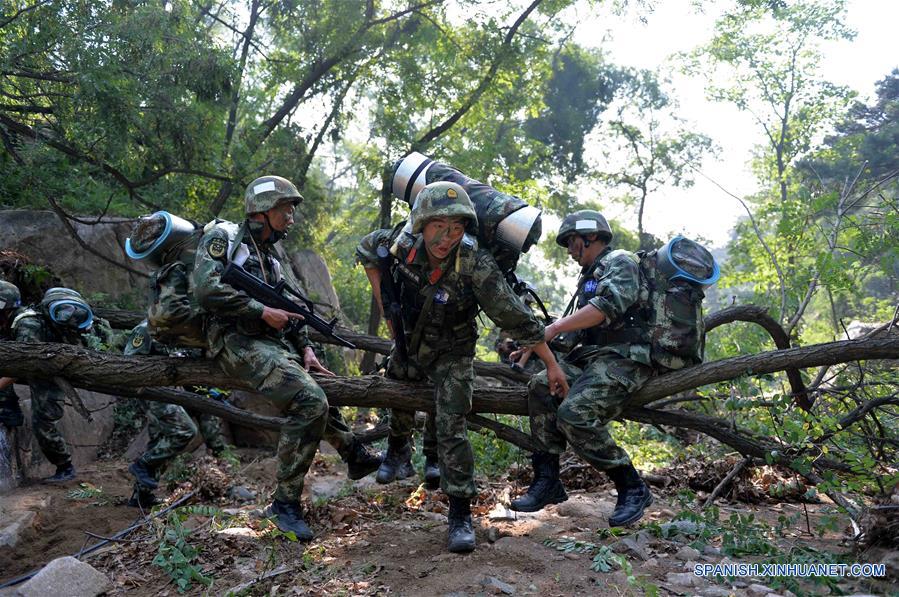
673, 281
170, 243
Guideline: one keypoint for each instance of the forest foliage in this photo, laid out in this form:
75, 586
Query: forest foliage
125, 107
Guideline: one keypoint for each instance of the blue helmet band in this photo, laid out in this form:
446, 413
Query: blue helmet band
68, 312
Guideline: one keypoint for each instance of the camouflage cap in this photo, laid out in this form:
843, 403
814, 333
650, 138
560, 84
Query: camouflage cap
266, 192
585, 221
10, 298
442, 200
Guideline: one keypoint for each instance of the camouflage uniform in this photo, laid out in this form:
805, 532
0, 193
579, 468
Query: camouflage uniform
603, 371
170, 426
47, 400
10, 306
270, 361
439, 312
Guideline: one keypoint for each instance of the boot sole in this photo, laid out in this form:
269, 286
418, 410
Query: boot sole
622, 523
465, 548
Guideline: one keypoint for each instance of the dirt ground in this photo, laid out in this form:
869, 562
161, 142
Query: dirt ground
380, 540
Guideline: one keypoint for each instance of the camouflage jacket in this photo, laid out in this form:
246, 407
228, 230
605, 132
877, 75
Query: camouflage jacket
31, 325
440, 306
612, 285
231, 309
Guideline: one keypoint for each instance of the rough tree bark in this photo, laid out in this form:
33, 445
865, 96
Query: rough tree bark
126, 375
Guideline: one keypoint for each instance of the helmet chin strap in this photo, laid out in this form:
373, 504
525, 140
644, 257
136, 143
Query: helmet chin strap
274, 235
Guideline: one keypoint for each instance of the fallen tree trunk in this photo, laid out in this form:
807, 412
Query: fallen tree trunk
83, 367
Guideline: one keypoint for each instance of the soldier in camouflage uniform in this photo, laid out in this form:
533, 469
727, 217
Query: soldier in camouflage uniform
610, 362
62, 316
247, 341
171, 427
10, 303
444, 279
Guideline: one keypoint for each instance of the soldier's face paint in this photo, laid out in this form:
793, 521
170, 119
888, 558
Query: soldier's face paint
280, 217
441, 235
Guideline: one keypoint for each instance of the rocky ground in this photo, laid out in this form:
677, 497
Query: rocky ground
376, 540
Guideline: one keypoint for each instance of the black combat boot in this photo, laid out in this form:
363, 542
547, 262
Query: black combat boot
633, 496
397, 463
432, 472
546, 488
11, 413
64, 472
142, 498
361, 461
461, 531
143, 473
289, 517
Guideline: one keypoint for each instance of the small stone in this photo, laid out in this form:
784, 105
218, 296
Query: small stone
666, 513
492, 534
758, 589
650, 562
435, 516
714, 591
496, 586
684, 579
632, 546
66, 576
242, 494
686, 553
243, 532
9, 535
447, 555
711, 550
501, 512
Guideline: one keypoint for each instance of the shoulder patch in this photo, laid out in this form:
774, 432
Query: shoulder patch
217, 248
137, 341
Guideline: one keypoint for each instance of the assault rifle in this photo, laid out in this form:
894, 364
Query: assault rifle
393, 310
275, 297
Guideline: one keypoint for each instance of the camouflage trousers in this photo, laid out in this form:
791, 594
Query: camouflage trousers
598, 394
47, 402
171, 429
402, 423
275, 370
453, 379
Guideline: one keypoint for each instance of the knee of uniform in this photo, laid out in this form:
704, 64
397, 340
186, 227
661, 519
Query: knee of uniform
312, 401
567, 417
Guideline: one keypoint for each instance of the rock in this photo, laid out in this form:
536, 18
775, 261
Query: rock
631, 545
241, 493
435, 516
12, 531
496, 586
65, 576
315, 281
758, 589
681, 527
686, 553
242, 532
711, 550
714, 591
40, 236
684, 579
502, 512
492, 534
666, 513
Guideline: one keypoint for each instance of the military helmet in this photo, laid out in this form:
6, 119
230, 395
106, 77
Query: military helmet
266, 192
442, 200
10, 298
585, 221
67, 308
